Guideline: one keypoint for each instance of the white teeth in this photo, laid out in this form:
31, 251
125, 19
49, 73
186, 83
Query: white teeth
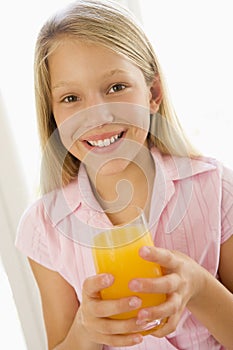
105, 142
100, 143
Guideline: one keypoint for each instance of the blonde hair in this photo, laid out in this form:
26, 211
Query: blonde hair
113, 26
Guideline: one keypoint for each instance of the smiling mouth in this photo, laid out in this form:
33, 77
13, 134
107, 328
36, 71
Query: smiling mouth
106, 142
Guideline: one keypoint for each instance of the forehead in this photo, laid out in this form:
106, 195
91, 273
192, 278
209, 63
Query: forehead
72, 55
76, 45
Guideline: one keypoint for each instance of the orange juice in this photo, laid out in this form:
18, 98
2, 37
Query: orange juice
122, 260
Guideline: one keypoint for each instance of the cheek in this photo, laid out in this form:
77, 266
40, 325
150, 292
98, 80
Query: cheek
138, 135
58, 116
78, 151
69, 131
140, 123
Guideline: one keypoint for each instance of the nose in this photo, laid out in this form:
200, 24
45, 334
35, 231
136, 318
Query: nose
92, 116
96, 111
93, 98
97, 115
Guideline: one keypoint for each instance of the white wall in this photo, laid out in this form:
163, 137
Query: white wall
193, 41
16, 278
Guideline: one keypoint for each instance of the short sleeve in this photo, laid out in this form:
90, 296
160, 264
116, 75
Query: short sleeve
32, 237
227, 204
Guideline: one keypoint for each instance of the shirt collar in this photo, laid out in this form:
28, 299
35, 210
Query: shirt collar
78, 194
178, 168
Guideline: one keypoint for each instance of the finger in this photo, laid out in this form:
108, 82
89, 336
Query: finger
120, 340
166, 284
169, 327
108, 308
164, 257
172, 306
94, 284
109, 326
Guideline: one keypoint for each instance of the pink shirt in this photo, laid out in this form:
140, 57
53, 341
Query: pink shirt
191, 211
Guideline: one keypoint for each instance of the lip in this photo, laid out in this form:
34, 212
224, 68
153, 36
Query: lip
102, 137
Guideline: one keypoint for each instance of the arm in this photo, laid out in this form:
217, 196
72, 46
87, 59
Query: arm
60, 305
187, 284
214, 305
226, 264
87, 326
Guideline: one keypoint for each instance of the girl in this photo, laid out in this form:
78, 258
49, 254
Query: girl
110, 139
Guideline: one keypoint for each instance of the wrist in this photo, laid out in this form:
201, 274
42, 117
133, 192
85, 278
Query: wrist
212, 305
200, 286
78, 338
83, 338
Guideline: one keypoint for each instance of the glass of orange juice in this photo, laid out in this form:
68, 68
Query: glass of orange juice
116, 251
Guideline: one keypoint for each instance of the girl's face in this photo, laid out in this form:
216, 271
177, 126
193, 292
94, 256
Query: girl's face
101, 104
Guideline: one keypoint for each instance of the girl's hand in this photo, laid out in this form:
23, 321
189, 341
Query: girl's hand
93, 315
181, 282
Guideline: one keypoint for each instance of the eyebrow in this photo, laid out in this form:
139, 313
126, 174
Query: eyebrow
62, 83
106, 75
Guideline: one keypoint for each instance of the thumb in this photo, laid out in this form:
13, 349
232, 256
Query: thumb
94, 284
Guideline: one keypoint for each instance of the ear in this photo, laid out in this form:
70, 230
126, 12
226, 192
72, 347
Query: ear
156, 95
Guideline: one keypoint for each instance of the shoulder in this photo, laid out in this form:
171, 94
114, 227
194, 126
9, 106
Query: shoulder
227, 178
31, 237
180, 168
52, 206
31, 226
227, 203
33, 214
222, 182
36, 233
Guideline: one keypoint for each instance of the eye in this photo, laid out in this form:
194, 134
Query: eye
116, 88
70, 99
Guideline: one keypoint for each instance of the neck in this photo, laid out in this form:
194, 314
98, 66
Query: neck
132, 186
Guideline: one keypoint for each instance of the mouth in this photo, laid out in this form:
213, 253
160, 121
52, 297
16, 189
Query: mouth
106, 141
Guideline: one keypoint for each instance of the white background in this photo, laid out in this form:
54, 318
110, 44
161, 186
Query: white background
193, 41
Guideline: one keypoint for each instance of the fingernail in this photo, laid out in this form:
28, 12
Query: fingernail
135, 286
144, 251
135, 302
143, 316
137, 339
107, 280
141, 322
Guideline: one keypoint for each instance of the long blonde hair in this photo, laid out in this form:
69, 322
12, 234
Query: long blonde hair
113, 26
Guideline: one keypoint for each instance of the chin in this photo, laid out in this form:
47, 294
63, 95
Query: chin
113, 167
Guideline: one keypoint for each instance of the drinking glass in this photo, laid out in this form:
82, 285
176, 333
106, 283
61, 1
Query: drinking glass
116, 251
